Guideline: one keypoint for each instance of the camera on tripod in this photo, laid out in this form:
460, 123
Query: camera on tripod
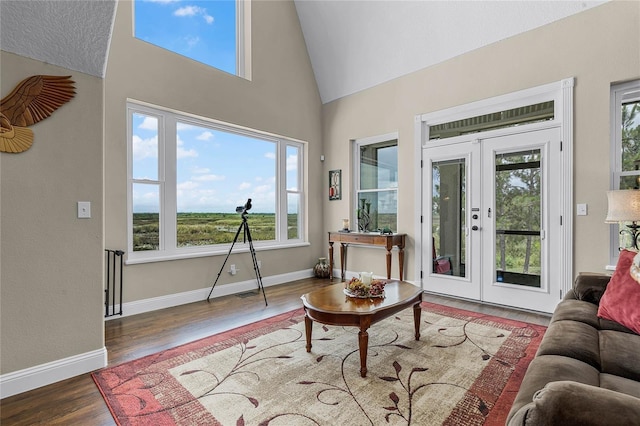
244, 226
244, 209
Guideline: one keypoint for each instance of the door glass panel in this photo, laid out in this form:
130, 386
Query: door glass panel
449, 217
518, 218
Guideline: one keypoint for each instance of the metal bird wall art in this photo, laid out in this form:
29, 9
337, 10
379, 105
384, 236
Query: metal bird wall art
33, 100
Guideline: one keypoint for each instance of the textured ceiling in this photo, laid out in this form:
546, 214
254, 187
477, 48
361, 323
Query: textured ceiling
353, 44
74, 34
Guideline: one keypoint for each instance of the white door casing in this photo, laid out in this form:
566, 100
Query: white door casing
557, 175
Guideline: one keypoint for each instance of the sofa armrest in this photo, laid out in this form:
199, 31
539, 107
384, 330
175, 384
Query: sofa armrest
574, 403
589, 287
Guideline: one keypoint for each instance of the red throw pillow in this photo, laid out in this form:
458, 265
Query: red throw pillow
621, 300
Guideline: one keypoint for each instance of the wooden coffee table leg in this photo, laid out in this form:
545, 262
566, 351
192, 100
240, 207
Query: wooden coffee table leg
308, 327
417, 312
363, 340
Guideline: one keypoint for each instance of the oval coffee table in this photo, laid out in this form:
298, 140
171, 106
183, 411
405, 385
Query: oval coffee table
329, 305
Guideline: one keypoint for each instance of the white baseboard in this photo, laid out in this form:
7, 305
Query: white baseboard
51, 372
162, 302
45, 374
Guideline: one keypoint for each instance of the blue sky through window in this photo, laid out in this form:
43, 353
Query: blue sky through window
201, 30
216, 170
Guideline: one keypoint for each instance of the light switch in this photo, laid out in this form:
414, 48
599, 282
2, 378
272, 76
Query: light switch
581, 210
84, 209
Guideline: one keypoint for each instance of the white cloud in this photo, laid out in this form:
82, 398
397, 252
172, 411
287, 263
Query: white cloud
149, 123
183, 153
187, 11
184, 126
292, 162
209, 178
263, 188
145, 148
192, 41
194, 11
244, 185
187, 186
205, 136
200, 170
270, 155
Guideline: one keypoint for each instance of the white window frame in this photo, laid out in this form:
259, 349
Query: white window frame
620, 94
167, 143
357, 143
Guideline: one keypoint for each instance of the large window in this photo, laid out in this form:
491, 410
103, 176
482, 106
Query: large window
376, 183
187, 176
625, 142
211, 32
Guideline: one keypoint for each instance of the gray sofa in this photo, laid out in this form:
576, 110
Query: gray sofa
586, 370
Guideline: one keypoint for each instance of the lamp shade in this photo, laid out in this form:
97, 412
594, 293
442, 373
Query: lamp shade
624, 206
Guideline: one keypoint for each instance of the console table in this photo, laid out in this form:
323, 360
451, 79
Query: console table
371, 239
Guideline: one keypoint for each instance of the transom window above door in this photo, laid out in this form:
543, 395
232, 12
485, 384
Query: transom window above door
528, 114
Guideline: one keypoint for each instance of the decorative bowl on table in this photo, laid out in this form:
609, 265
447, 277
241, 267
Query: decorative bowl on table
356, 288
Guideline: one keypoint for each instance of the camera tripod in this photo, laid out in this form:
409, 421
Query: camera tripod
244, 226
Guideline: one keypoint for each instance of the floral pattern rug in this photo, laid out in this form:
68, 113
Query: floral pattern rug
465, 370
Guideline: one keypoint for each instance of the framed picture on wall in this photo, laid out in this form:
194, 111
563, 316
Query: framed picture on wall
335, 184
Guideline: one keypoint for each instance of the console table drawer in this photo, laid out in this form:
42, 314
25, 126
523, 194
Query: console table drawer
385, 240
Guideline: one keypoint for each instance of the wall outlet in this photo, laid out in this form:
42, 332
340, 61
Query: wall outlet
233, 270
259, 264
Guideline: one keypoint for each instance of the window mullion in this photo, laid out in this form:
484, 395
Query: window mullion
281, 192
168, 164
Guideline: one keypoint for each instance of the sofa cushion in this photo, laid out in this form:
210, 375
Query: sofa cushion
577, 310
620, 384
546, 368
619, 354
572, 403
621, 300
589, 287
606, 324
572, 339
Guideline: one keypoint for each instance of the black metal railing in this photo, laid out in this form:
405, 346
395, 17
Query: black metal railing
513, 277
114, 284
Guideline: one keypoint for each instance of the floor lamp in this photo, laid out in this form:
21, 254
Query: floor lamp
624, 206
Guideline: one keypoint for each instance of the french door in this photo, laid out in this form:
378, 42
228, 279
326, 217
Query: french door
493, 209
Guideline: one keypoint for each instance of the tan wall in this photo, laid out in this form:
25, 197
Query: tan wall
597, 47
52, 263
51, 271
281, 98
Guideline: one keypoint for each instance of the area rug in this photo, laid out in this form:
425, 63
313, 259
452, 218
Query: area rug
465, 370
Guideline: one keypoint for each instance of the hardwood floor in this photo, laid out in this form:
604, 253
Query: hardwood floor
77, 401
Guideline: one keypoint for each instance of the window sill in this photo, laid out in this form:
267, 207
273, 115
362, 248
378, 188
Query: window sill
139, 258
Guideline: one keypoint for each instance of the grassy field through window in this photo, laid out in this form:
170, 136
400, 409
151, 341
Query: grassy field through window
202, 229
